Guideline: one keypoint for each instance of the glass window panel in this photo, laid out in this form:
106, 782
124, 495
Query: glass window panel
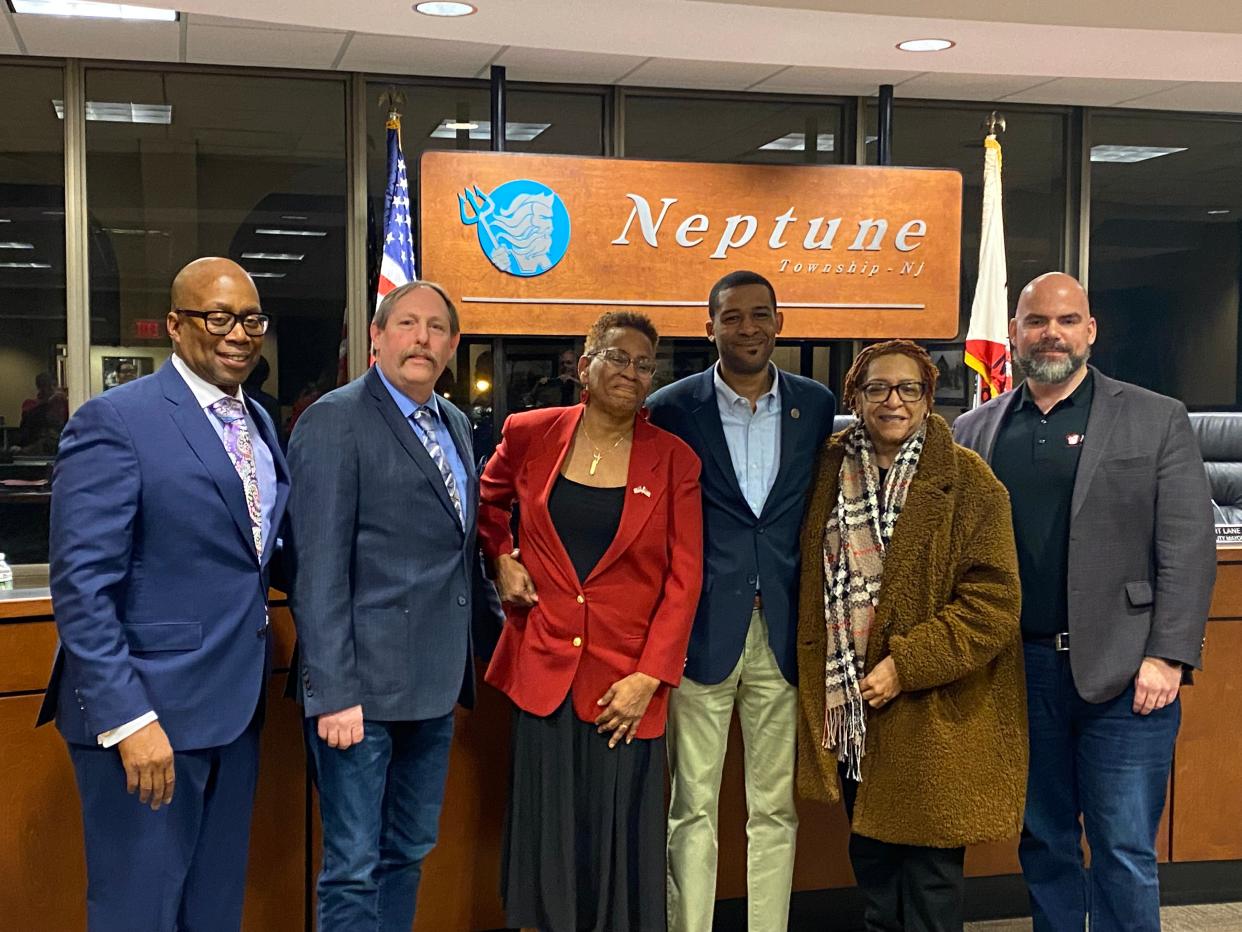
33, 397
1165, 245
252, 168
710, 129
1034, 182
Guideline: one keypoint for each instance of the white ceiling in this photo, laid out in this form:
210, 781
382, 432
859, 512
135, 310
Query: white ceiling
1056, 51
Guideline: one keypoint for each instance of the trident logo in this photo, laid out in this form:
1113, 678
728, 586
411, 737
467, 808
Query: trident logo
523, 226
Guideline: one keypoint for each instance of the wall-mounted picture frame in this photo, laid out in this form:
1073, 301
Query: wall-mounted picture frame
117, 370
954, 384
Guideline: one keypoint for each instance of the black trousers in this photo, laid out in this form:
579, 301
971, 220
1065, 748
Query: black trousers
905, 888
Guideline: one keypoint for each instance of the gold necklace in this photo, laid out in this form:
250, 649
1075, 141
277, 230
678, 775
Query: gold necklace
598, 455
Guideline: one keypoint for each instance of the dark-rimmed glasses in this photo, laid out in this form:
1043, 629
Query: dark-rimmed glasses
221, 323
620, 360
880, 392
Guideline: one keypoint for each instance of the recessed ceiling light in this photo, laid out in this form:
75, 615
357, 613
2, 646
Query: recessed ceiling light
275, 256
294, 217
25, 265
92, 10
925, 45
796, 142
134, 231
444, 9
482, 129
1127, 154
272, 231
102, 111
16, 245
1217, 213
266, 274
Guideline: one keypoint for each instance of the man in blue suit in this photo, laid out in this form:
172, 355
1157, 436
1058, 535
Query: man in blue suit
387, 582
757, 431
167, 495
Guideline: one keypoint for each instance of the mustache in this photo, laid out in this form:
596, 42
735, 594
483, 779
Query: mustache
1052, 346
418, 354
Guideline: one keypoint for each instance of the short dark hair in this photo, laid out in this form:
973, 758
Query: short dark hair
384, 311
629, 320
929, 375
734, 280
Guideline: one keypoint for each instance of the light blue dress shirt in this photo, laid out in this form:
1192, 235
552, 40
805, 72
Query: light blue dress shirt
444, 436
754, 438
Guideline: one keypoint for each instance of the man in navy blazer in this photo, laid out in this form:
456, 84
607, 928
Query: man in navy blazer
386, 584
167, 496
757, 431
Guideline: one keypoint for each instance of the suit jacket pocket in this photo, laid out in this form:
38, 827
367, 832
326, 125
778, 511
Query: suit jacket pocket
164, 635
1139, 593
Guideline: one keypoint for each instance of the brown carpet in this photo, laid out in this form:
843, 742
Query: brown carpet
1217, 917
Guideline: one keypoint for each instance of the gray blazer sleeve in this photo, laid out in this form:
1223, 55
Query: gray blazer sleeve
323, 512
1185, 547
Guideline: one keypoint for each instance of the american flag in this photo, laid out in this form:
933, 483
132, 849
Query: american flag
397, 264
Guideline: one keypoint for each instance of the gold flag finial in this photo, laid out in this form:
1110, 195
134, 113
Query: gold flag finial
392, 100
994, 123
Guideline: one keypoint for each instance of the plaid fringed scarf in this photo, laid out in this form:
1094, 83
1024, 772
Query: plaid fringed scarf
856, 537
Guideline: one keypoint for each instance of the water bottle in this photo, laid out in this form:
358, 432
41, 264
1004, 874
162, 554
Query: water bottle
6, 574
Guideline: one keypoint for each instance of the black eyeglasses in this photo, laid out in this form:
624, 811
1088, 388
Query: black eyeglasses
620, 360
221, 323
880, 392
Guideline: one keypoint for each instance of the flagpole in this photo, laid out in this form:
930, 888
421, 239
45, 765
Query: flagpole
987, 336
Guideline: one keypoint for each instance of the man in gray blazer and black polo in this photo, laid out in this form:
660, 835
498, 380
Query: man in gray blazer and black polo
386, 584
1113, 519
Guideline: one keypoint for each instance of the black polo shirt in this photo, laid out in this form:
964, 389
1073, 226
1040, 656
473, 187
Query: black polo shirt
1036, 457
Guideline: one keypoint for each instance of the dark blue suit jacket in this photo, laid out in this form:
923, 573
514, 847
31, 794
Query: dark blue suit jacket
386, 583
159, 597
739, 547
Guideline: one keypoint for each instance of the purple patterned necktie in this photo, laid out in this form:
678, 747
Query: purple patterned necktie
426, 419
232, 414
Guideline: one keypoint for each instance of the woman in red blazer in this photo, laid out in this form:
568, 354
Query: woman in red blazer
599, 604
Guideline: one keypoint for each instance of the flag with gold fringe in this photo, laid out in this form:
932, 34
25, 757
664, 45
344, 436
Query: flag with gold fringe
987, 337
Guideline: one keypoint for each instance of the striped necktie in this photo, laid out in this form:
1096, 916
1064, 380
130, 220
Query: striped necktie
425, 418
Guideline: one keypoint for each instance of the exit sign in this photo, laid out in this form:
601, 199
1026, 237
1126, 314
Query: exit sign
147, 329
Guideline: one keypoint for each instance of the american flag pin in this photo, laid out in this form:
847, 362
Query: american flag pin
642, 490
1073, 440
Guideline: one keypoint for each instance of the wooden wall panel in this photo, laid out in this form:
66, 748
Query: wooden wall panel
42, 858
1227, 594
27, 650
1207, 767
276, 874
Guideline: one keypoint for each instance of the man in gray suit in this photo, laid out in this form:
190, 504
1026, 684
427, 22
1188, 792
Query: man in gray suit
386, 579
1113, 521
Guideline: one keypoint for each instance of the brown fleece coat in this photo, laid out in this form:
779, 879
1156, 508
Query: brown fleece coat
945, 763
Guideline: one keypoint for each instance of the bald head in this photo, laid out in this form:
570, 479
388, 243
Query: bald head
215, 285
1053, 329
203, 276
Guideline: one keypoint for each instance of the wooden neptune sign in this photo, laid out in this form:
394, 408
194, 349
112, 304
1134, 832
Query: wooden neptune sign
543, 244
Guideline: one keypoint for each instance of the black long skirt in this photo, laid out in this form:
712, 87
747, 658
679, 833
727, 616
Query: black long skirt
584, 847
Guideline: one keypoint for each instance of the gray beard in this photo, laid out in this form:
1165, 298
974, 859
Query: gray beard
1051, 372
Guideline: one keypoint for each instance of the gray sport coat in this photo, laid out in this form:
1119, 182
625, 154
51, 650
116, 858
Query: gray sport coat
1142, 547
387, 585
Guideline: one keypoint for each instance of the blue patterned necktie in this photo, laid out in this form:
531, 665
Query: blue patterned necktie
232, 414
425, 419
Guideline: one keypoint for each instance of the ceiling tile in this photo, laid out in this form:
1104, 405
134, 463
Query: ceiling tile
669, 72
526, 64
848, 81
980, 87
8, 41
231, 45
1087, 92
201, 19
100, 38
403, 55
1214, 98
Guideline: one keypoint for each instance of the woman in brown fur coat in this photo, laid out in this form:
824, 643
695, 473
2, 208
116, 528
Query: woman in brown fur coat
909, 657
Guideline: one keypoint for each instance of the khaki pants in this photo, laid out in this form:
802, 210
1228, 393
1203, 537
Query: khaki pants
698, 733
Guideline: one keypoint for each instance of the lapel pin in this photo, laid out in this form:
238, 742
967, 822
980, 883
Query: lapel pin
1073, 440
642, 490
795, 413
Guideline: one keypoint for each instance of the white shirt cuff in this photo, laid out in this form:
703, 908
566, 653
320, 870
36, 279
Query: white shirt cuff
117, 735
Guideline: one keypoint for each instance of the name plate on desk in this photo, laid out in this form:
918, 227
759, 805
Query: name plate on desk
1228, 534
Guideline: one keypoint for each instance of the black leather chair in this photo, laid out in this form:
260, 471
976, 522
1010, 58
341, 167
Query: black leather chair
1220, 443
